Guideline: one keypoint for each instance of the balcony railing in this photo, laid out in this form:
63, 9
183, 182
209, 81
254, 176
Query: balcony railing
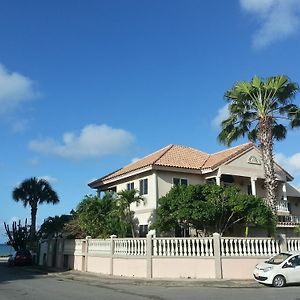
283, 206
289, 220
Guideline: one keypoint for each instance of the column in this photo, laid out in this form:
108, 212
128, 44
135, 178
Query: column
253, 186
284, 193
218, 178
112, 251
149, 255
217, 255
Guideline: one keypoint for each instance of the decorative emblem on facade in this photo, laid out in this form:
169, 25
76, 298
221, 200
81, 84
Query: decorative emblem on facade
254, 160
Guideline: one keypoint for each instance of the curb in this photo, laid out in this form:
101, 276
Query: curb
101, 279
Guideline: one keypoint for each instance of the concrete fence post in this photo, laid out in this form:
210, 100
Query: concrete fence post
217, 255
283, 242
149, 253
85, 253
112, 251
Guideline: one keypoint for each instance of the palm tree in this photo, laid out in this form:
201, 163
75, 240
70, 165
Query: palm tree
262, 110
125, 198
34, 191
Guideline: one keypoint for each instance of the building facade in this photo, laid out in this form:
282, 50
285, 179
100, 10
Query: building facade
155, 174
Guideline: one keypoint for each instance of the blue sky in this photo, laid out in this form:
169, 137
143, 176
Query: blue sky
88, 86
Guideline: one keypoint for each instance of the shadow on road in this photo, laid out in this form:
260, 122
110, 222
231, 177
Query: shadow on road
12, 273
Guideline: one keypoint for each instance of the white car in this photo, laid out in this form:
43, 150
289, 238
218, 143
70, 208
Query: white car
279, 270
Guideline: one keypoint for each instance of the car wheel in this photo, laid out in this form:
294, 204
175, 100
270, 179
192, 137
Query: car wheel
279, 281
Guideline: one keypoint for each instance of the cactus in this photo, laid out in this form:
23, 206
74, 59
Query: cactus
19, 236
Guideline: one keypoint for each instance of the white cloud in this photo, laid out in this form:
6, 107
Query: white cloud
222, 114
279, 19
93, 141
291, 163
14, 89
48, 178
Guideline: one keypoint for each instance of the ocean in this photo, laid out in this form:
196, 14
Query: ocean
6, 250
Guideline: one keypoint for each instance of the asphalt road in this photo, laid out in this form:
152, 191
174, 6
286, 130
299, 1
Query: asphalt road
19, 283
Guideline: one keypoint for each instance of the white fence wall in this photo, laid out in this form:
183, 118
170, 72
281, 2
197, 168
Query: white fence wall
157, 257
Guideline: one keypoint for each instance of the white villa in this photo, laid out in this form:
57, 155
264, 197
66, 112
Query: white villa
155, 174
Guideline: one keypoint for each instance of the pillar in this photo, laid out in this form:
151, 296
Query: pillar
253, 186
217, 255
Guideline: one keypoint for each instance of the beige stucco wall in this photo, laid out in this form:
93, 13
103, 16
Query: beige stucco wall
131, 267
241, 166
77, 263
165, 180
97, 264
183, 267
240, 267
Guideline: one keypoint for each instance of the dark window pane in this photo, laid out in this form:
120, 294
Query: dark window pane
184, 182
176, 181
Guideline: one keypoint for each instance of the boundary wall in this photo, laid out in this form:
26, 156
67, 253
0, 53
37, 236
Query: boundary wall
152, 257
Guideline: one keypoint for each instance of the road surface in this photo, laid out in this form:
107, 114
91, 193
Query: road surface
18, 283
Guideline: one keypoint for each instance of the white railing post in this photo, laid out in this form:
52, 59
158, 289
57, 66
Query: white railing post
149, 247
112, 251
217, 255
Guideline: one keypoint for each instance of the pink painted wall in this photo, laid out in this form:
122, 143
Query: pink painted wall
96, 264
183, 267
131, 267
240, 267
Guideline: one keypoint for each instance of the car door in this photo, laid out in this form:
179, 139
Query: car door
292, 269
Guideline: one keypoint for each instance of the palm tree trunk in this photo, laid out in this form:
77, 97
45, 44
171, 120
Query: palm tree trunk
33, 224
266, 145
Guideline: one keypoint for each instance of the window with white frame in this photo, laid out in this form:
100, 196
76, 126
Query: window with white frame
130, 186
144, 186
180, 181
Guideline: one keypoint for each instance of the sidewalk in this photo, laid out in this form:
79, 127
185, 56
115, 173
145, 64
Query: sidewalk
100, 279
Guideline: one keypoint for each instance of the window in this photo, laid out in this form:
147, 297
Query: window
130, 186
143, 230
180, 181
144, 186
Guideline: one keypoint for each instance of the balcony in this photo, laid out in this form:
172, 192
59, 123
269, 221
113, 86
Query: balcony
282, 207
288, 221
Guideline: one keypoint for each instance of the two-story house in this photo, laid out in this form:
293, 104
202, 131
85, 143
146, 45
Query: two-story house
155, 174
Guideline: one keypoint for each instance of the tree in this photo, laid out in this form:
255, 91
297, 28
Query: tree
99, 217
32, 192
18, 236
54, 226
210, 208
262, 110
124, 200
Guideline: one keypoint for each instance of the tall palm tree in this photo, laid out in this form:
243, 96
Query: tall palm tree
124, 200
262, 110
32, 192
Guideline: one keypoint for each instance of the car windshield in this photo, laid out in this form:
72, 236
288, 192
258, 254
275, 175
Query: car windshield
278, 259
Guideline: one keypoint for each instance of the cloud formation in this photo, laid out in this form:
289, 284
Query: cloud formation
92, 141
289, 163
278, 19
48, 178
222, 114
14, 89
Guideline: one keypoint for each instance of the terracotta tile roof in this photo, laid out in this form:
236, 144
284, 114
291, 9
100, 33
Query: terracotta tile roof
171, 156
221, 157
180, 157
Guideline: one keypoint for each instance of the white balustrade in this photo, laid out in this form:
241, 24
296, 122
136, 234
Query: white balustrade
249, 247
293, 244
282, 206
78, 247
182, 247
135, 247
97, 246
